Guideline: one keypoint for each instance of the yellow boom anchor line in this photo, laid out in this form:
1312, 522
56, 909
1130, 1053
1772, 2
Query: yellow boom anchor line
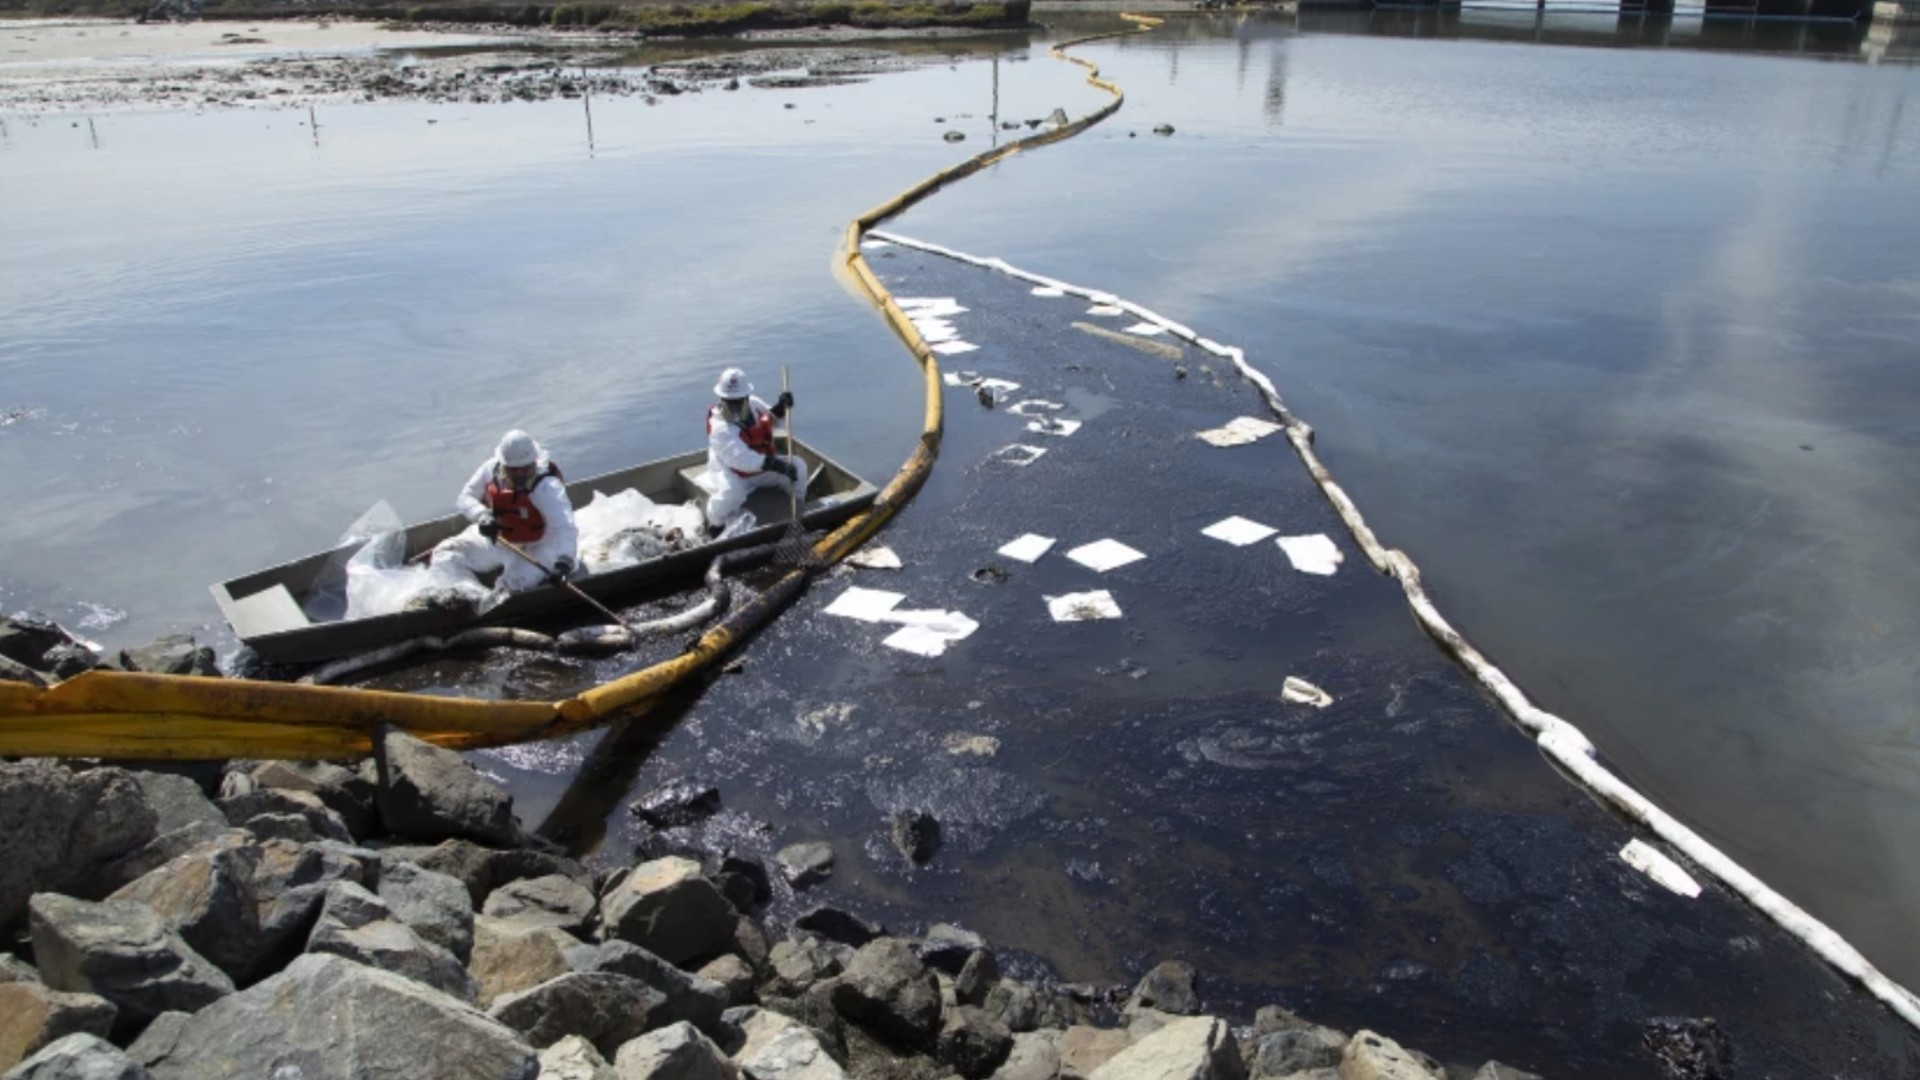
184, 717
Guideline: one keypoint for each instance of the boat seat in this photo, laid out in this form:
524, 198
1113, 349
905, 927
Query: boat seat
269, 611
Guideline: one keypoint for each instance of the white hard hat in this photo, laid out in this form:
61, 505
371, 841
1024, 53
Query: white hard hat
733, 384
518, 450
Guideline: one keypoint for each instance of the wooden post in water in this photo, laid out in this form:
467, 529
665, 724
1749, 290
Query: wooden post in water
586, 100
313, 124
94, 132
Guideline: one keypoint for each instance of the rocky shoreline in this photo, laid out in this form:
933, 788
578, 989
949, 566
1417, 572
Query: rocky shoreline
392, 917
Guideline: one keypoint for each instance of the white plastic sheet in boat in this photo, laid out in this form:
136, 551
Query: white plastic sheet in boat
1315, 554
1083, 606
1104, 555
1649, 861
1238, 531
1027, 548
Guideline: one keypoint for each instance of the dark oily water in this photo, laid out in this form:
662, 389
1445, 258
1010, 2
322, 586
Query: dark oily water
1618, 344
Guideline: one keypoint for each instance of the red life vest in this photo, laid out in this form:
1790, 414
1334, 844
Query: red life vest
758, 435
520, 520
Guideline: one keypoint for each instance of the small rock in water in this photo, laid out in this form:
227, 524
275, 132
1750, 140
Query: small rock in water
1058, 116
682, 802
955, 136
990, 575
916, 834
806, 863
841, 926
1163, 129
1179, 371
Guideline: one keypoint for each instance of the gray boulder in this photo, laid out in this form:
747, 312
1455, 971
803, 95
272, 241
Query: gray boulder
483, 870
435, 905
806, 863
977, 978
750, 943
33, 1016
836, 925
666, 907
207, 897
573, 1058
156, 1044
14, 969
1025, 1007
948, 948
1190, 1048
433, 794
78, 1057
554, 900
674, 1052
692, 998
328, 1018
888, 990
347, 792
122, 951
26, 640
1296, 1050
174, 654
1493, 1070
158, 852
12, 670
58, 827
732, 975
356, 924
245, 810
800, 962
290, 884
1169, 988
508, 959
915, 834
973, 1043
1084, 1049
1035, 1056
777, 1047
177, 801
1370, 1055
606, 1010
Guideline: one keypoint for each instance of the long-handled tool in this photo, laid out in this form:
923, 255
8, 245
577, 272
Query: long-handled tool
565, 584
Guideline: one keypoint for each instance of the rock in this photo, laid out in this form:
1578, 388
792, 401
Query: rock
122, 951
1025, 1007
1163, 129
433, 794
573, 1058
58, 827
435, 905
177, 802
977, 979
207, 897
675, 1052
666, 907
174, 654
66, 661
1035, 1056
290, 885
354, 923
158, 852
295, 1024
508, 959
754, 871
948, 948
483, 870
33, 1016
915, 833
554, 900
26, 640
841, 926
1168, 988
1493, 1070
605, 1009
732, 975
1084, 1049
806, 863
243, 810
13, 969
697, 1000
955, 136
750, 943
156, 1044
1272, 1018
1372, 1056
1190, 1048
1297, 1050
79, 1057
786, 1051
973, 1042
798, 963
888, 990
12, 670
347, 792
1687, 1049
679, 803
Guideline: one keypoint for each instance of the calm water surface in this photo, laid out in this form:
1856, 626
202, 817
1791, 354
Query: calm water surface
1618, 344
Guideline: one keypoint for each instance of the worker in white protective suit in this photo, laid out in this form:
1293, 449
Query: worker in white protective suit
740, 455
517, 495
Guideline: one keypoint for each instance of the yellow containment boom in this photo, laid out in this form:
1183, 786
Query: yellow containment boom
181, 717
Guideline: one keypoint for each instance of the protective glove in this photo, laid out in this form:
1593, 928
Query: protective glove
489, 527
786, 402
790, 470
562, 570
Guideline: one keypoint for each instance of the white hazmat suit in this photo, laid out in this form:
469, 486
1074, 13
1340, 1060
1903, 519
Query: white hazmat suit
730, 455
559, 537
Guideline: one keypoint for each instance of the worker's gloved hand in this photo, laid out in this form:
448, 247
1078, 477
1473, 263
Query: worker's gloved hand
489, 527
785, 402
562, 570
790, 469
